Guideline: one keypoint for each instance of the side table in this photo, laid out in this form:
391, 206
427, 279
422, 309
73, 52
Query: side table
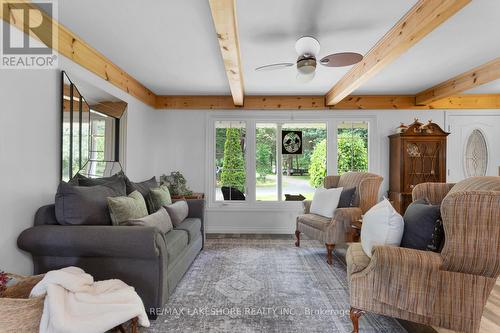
355, 232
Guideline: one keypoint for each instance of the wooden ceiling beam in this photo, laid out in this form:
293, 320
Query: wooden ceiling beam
422, 18
352, 102
73, 47
226, 27
475, 77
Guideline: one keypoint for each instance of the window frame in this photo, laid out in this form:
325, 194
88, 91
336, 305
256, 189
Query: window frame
251, 118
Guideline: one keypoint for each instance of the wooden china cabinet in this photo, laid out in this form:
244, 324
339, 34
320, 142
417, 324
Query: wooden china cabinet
417, 155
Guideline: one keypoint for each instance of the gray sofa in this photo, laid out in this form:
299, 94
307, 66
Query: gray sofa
142, 257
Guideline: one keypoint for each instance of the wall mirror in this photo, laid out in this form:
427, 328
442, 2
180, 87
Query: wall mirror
91, 135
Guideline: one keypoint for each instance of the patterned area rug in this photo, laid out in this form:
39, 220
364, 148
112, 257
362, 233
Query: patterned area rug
259, 285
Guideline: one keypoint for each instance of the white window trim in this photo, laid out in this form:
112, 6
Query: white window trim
331, 119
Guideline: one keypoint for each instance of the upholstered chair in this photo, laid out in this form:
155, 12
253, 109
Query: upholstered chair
447, 289
332, 231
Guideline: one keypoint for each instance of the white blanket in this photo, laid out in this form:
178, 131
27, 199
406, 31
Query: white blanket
75, 303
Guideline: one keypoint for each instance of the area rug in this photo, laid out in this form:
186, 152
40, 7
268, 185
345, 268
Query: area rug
264, 285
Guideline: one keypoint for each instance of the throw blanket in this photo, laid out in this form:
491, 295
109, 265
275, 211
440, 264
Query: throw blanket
75, 303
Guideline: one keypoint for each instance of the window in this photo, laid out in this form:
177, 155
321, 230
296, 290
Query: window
230, 170
352, 147
279, 174
250, 167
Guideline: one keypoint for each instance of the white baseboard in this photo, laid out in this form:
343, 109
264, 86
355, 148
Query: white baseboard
224, 229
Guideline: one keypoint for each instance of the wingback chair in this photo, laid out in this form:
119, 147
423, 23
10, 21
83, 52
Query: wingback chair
332, 231
447, 289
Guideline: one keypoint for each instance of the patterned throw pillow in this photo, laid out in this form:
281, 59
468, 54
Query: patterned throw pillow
160, 196
123, 209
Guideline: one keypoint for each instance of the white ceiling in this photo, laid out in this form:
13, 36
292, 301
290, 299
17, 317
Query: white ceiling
468, 39
170, 46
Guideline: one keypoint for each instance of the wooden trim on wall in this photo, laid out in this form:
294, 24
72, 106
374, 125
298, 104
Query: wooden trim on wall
73, 47
226, 27
353, 102
475, 77
422, 18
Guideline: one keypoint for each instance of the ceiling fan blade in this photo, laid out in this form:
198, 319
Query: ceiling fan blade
341, 59
271, 67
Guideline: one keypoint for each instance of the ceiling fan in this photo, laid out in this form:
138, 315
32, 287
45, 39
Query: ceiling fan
308, 49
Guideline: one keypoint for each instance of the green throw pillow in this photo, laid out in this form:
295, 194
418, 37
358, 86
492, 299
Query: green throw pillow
160, 196
123, 209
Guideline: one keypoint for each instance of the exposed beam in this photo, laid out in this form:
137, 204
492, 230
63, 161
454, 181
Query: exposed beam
468, 101
113, 109
226, 27
475, 77
73, 47
251, 102
422, 18
352, 102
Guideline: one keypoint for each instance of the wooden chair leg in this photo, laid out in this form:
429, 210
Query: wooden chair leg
355, 314
133, 326
329, 253
297, 234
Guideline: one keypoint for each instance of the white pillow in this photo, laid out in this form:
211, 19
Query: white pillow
325, 201
382, 225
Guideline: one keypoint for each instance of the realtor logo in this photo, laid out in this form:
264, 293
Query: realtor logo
29, 35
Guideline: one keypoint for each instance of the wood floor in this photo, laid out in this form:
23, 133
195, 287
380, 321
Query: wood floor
490, 323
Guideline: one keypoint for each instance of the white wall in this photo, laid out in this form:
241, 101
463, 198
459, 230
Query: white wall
29, 148
184, 135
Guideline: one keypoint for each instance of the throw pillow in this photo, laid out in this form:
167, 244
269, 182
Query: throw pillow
79, 205
116, 181
325, 201
382, 225
160, 196
127, 208
143, 188
159, 220
178, 212
346, 197
423, 227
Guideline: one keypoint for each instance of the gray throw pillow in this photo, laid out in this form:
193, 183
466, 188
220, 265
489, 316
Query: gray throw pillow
143, 188
423, 227
159, 220
178, 212
79, 205
118, 181
127, 208
346, 197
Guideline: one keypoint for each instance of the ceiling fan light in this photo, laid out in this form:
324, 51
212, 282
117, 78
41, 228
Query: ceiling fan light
306, 65
305, 78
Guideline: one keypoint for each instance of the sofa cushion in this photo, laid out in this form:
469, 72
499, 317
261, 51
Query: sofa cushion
382, 225
176, 241
160, 196
159, 220
423, 227
192, 226
356, 259
118, 181
315, 221
143, 188
178, 211
79, 205
123, 209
